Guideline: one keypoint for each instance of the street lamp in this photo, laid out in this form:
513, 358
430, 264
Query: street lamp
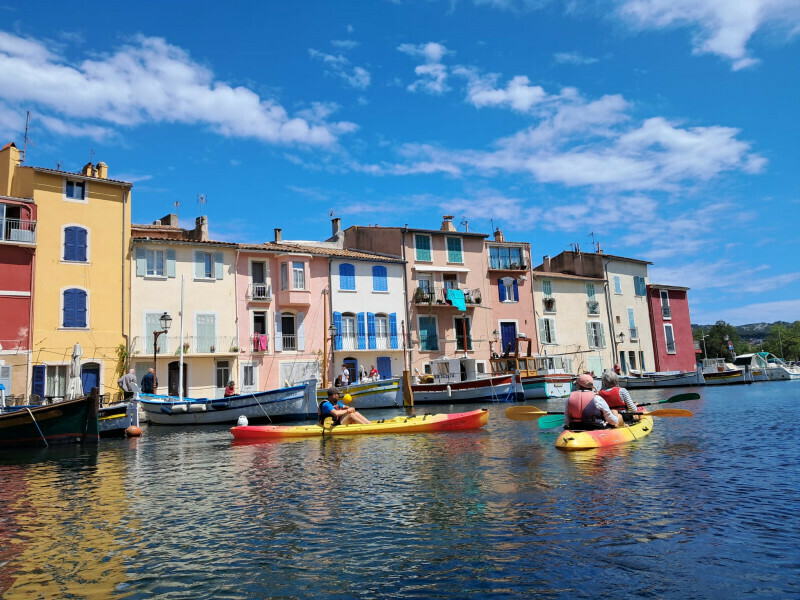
496, 336
165, 321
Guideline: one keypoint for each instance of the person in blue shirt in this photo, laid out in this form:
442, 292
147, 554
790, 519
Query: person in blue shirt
149, 382
341, 414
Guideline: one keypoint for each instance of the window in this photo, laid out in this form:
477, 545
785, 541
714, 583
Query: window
547, 288
223, 374
5, 377
75, 244
286, 332
284, 276
207, 265
634, 331
640, 287
56, 385
206, 329
74, 308
258, 271
454, 254
666, 312
428, 334
632, 359
382, 332
596, 334
248, 378
379, 282
155, 262
509, 290
299, 276
670, 337
505, 258
590, 291
151, 324
348, 331
259, 322
460, 323
617, 285
75, 190
422, 245
347, 276
547, 330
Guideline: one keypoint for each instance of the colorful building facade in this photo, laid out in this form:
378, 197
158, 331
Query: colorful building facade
671, 327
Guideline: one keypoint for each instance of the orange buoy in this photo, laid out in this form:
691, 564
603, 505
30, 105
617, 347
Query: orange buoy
133, 431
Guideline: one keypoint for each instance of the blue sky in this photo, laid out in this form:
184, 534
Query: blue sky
665, 130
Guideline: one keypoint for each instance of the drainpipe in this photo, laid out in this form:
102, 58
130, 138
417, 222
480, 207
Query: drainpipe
28, 381
610, 314
124, 268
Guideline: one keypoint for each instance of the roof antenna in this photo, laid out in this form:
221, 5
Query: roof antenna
25, 142
201, 200
177, 204
591, 235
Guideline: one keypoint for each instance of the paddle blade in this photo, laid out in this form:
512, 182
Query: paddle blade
550, 421
670, 412
681, 398
524, 413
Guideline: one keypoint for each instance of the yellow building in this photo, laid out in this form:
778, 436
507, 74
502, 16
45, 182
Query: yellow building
81, 289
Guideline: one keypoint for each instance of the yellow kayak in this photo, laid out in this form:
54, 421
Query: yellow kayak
598, 438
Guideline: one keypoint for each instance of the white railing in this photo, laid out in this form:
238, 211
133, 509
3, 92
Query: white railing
260, 291
350, 342
19, 230
289, 342
593, 307
143, 345
634, 333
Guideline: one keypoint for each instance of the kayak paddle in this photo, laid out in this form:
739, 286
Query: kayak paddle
550, 419
677, 398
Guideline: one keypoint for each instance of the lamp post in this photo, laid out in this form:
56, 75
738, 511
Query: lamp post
165, 321
496, 337
620, 341
331, 336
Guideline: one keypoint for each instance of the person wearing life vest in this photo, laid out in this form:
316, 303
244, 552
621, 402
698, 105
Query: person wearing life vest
341, 414
586, 410
617, 398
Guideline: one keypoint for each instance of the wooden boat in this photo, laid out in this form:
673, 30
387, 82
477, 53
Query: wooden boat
115, 419
717, 372
571, 440
662, 379
289, 403
540, 376
426, 423
456, 380
70, 421
384, 393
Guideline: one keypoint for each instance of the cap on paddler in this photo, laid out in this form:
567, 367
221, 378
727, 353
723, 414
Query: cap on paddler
332, 391
585, 381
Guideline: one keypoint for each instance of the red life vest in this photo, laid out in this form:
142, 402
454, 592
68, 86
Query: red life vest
612, 398
577, 403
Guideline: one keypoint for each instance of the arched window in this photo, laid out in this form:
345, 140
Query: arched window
347, 276
379, 283
74, 308
75, 245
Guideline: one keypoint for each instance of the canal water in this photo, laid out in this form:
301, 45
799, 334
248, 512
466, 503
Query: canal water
704, 507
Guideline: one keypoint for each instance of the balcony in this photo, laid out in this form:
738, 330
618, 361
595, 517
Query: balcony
260, 292
18, 230
260, 342
666, 312
350, 342
170, 345
437, 296
549, 305
593, 307
293, 297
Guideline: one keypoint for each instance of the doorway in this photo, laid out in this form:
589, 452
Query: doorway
172, 379
90, 377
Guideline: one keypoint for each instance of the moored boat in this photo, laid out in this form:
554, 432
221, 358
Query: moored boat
717, 372
289, 403
70, 421
777, 369
571, 440
540, 376
383, 393
115, 419
754, 366
426, 423
458, 380
662, 379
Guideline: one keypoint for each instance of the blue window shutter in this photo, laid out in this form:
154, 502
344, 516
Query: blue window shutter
39, 375
278, 332
393, 330
69, 309
362, 331
80, 244
218, 270
516, 291
70, 248
301, 332
337, 322
384, 367
371, 331
347, 277
199, 264
170, 263
141, 262
502, 290
379, 283
80, 308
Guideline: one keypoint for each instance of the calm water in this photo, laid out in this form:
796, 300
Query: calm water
705, 507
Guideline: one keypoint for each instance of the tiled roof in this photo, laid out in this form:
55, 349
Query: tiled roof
429, 231
677, 288
288, 247
636, 260
551, 275
150, 240
79, 176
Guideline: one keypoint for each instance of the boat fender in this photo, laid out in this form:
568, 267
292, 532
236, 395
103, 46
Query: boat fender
133, 431
197, 408
242, 421
449, 391
177, 408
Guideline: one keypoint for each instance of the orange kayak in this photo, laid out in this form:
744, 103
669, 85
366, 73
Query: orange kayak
599, 438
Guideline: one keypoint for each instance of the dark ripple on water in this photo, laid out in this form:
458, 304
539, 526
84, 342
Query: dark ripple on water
701, 508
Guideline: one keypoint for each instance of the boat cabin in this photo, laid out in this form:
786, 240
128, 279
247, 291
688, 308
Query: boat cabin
716, 365
754, 361
529, 365
453, 370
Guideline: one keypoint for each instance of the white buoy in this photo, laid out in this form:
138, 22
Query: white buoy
242, 422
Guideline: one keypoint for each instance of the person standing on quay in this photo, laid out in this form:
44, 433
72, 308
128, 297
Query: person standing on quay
128, 384
149, 382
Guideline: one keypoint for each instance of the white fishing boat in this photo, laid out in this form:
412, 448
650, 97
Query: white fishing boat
754, 365
381, 393
778, 370
296, 402
540, 376
456, 380
660, 379
717, 372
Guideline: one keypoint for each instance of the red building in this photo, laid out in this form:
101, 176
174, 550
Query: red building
671, 326
17, 254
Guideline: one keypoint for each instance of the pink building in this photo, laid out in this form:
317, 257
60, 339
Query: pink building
671, 326
17, 259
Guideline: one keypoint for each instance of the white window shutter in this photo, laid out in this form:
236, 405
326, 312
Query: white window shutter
278, 333
218, 266
141, 262
602, 335
553, 333
301, 338
589, 335
199, 265
542, 330
170, 263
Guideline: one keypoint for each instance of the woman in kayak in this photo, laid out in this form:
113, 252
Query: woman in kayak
341, 414
616, 397
586, 410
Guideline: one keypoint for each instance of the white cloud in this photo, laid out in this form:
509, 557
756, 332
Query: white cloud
432, 74
768, 312
344, 44
519, 94
145, 81
573, 58
339, 65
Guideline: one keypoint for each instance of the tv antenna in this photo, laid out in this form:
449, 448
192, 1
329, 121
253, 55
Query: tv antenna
201, 200
177, 204
25, 139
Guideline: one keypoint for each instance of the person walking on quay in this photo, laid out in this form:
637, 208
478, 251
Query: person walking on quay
344, 376
149, 382
127, 384
586, 410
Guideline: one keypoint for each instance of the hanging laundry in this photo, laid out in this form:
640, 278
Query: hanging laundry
263, 340
456, 298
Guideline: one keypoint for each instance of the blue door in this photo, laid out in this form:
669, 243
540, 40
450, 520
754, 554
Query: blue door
508, 337
385, 367
90, 377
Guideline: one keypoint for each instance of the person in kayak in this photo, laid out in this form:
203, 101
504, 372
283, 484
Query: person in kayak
341, 414
587, 410
617, 398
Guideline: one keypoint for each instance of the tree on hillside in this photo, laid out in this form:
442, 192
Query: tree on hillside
784, 341
715, 343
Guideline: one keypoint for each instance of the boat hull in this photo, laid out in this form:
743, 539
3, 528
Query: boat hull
724, 377
546, 386
427, 423
386, 393
114, 420
67, 422
284, 404
502, 388
570, 440
658, 380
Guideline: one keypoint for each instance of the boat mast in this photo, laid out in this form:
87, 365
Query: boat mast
180, 360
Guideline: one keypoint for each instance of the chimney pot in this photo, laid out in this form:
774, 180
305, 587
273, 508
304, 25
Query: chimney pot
546, 263
447, 223
277, 235
498, 236
102, 170
336, 224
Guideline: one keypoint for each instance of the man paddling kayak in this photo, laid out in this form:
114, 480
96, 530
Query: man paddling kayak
341, 414
586, 410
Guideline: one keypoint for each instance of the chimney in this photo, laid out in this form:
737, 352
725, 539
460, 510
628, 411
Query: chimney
546, 263
447, 223
599, 251
498, 236
336, 224
88, 170
102, 170
201, 229
277, 235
